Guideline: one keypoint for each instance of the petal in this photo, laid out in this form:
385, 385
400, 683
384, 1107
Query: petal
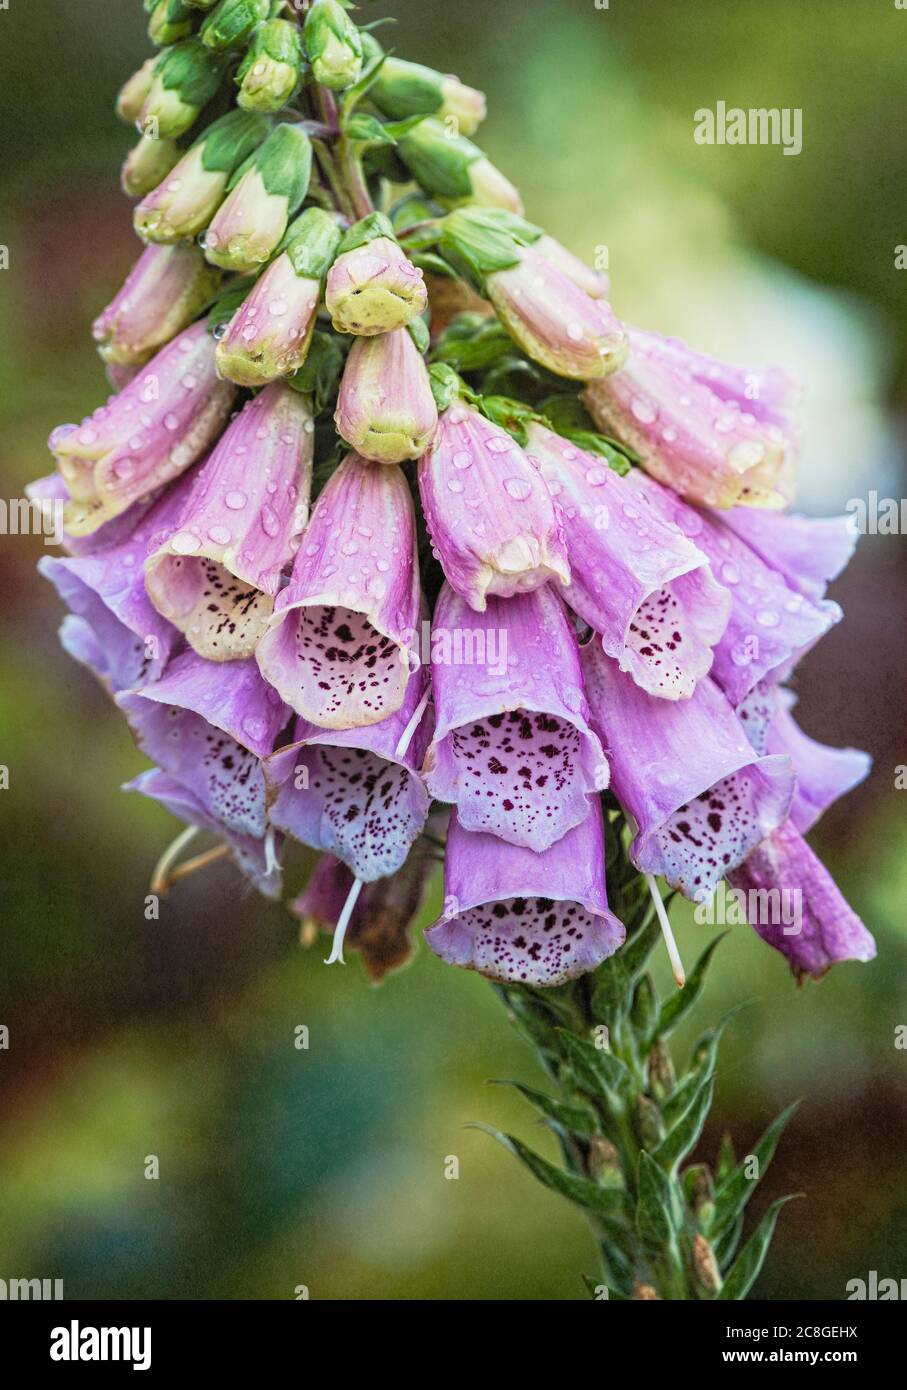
823, 774
825, 929
338, 647
251, 854
523, 917
808, 551
700, 796
216, 576
512, 747
633, 577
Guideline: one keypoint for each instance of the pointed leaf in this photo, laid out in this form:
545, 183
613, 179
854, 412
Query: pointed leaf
745, 1269
680, 1004
734, 1193
658, 1210
606, 1204
595, 1068
572, 1119
684, 1136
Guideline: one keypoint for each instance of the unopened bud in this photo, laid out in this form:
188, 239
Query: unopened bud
643, 1293
604, 1162
648, 1123
385, 407
662, 1077
230, 25
404, 89
333, 45
373, 287
185, 79
454, 170
166, 290
705, 1266
170, 20
271, 71
252, 221
134, 91
147, 165
700, 1193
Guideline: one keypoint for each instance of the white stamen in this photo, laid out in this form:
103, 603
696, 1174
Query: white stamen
271, 862
670, 943
343, 922
160, 878
406, 737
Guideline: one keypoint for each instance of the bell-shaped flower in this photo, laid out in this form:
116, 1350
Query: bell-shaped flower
118, 633
491, 517
706, 447
524, 917
385, 407
184, 202
809, 552
216, 577
150, 433
166, 290
373, 286
356, 793
209, 727
701, 797
250, 224
340, 643
270, 333
822, 928
513, 747
634, 578
771, 625
383, 917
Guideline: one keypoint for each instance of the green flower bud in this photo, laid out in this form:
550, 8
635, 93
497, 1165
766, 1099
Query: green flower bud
185, 79
333, 45
648, 1123
271, 71
404, 89
454, 170
134, 92
170, 21
232, 23
662, 1078
476, 242
269, 189
373, 287
147, 165
183, 204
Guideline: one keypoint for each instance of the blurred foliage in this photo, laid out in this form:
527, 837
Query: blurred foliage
325, 1167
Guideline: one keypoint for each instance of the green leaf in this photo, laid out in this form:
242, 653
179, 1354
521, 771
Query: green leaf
320, 373
725, 1244
571, 1119
736, 1190
368, 130
595, 1068
745, 1269
658, 1211
684, 1135
227, 301
680, 1004
607, 1204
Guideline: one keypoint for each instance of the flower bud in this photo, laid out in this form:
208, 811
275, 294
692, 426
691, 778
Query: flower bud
593, 282
554, 322
166, 290
271, 71
404, 89
705, 1266
270, 332
455, 170
230, 25
333, 45
170, 21
134, 91
184, 203
373, 287
385, 408
147, 165
251, 222
185, 79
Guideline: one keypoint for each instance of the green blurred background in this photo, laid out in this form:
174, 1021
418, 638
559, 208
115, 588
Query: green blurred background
326, 1167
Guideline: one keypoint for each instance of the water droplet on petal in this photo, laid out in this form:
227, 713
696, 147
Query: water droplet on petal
235, 501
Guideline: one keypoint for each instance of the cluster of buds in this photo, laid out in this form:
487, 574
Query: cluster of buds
333, 577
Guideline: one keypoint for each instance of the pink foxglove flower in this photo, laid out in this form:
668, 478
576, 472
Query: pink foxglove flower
823, 773
807, 551
151, 432
385, 407
339, 644
513, 748
699, 794
216, 577
165, 291
492, 519
526, 917
373, 286
708, 448
356, 793
641, 584
828, 930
